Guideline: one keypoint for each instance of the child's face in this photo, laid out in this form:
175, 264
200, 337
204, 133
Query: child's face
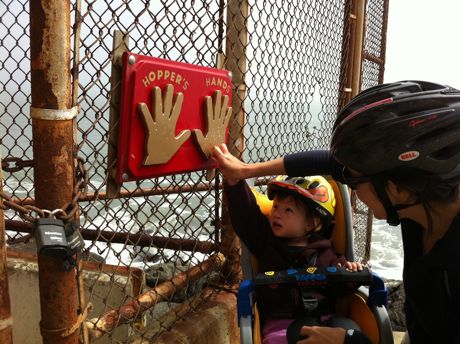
288, 218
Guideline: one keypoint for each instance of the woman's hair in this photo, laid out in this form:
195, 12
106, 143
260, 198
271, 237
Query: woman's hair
426, 188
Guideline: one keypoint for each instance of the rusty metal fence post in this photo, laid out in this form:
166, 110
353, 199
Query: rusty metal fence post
383, 44
358, 51
53, 149
348, 47
236, 63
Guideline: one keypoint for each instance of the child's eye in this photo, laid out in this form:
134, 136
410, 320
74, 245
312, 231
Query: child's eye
289, 210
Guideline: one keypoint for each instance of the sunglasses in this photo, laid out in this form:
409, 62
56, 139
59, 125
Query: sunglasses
353, 182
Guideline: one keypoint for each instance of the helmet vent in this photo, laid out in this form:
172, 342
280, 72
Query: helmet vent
314, 185
300, 181
447, 152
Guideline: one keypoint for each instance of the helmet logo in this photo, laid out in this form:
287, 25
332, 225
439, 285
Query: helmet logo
413, 123
320, 194
408, 156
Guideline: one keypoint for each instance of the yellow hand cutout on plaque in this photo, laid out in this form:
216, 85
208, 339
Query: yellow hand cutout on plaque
217, 117
161, 142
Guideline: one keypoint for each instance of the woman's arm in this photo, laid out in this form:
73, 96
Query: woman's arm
298, 164
235, 170
309, 163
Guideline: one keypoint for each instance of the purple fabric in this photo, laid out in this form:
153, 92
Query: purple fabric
274, 331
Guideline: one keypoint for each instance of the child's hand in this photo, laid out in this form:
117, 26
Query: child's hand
230, 167
352, 266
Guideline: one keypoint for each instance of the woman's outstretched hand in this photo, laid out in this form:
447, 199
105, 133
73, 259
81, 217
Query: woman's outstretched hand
231, 168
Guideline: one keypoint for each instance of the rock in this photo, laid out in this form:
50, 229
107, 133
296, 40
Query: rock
396, 298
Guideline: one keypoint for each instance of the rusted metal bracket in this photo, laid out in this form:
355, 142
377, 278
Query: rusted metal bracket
120, 45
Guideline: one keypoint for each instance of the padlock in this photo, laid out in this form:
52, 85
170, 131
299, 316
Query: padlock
75, 242
51, 238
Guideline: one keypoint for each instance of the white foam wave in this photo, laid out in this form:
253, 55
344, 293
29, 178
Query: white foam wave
386, 250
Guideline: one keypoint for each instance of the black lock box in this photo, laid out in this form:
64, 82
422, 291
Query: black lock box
51, 237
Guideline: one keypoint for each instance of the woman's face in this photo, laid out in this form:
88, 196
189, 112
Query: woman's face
366, 193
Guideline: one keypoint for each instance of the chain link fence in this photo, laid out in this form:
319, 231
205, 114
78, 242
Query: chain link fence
161, 229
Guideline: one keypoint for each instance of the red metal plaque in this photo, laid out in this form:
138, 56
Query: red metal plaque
158, 125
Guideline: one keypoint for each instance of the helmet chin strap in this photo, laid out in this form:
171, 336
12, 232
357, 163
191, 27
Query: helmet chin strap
379, 184
405, 206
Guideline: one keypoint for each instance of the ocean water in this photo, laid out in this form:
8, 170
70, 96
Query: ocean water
386, 250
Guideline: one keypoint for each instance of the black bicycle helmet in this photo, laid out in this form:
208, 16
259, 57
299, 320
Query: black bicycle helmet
412, 127
407, 124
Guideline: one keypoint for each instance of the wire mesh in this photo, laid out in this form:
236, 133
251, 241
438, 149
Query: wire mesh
15, 124
293, 76
294, 63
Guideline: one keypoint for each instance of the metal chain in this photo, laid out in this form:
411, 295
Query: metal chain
66, 213
24, 211
12, 164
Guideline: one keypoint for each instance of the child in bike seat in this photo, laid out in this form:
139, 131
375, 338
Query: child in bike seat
295, 234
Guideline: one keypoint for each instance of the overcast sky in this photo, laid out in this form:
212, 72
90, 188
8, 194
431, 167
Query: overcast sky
423, 41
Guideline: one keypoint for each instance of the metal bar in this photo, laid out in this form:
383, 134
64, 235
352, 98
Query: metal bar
90, 196
220, 63
358, 51
76, 53
145, 240
348, 47
220, 33
53, 150
6, 321
147, 192
76, 63
128, 312
138, 239
236, 63
383, 43
373, 58
120, 45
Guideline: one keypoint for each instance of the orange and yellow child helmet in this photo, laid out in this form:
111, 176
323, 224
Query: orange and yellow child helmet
313, 190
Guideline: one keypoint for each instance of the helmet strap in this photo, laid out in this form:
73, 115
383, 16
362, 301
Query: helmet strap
405, 206
379, 184
316, 225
